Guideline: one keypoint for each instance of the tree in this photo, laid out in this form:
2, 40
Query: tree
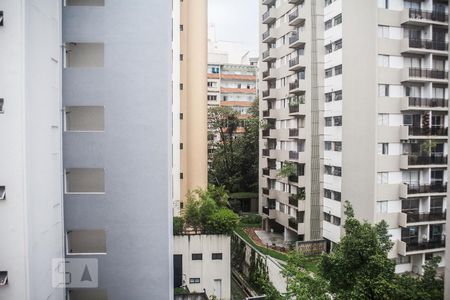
178, 225
234, 158
359, 267
301, 284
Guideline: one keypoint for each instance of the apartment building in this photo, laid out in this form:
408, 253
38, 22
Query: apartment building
290, 105
116, 143
232, 86
190, 167
31, 219
383, 132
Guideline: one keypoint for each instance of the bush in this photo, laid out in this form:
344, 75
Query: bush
251, 219
223, 221
178, 225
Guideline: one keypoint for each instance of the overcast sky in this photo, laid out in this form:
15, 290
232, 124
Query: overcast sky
236, 20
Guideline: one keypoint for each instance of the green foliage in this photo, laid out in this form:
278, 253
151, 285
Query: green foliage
428, 146
178, 225
251, 219
234, 160
287, 169
206, 212
302, 284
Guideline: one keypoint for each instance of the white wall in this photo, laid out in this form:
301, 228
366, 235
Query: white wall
206, 269
31, 233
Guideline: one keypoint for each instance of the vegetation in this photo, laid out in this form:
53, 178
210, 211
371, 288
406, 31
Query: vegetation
428, 146
287, 169
251, 220
234, 160
206, 212
359, 268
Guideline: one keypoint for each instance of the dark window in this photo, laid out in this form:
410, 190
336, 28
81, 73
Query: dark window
327, 193
337, 95
336, 221
181, 86
328, 24
328, 97
326, 217
181, 175
328, 122
181, 116
338, 45
338, 121
327, 146
338, 19
338, 146
337, 196
181, 146
197, 256
181, 27
2, 192
2, 102
338, 70
194, 280
217, 256
178, 270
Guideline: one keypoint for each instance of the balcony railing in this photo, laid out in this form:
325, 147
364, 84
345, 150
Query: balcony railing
266, 54
293, 178
265, 210
293, 38
427, 160
266, 171
428, 73
294, 85
293, 132
294, 109
266, 34
293, 155
427, 188
266, 113
293, 200
266, 15
428, 44
293, 62
266, 132
425, 217
293, 15
293, 223
265, 93
434, 131
439, 16
425, 245
265, 191
266, 152
427, 102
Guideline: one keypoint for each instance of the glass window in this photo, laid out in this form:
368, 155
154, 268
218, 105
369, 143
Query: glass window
383, 148
337, 95
383, 119
338, 19
197, 256
383, 90
338, 146
328, 122
383, 60
328, 97
328, 72
327, 146
383, 177
328, 24
338, 70
382, 207
383, 31
338, 121
338, 45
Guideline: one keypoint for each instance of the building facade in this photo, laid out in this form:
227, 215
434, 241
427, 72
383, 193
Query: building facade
30, 126
116, 145
203, 263
383, 130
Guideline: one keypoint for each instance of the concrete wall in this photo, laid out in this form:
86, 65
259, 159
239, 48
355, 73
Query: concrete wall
31, 216
134, 86
207, 270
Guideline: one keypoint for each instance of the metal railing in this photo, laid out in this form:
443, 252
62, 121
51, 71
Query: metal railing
428, 44
425, 245
439, 16
293, 15
427, 160
428, 73
293, 155
427, 188
427, 102
293, 132
425, 131
425, 217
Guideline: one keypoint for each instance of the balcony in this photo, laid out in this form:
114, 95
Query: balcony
424, 17
266, 132
434, 131
268, 17
268, 56
266, 171
424, 75
425, 217
267, 37
428, 44
267, 95
295, 42
426, 189
296, 2
294, 132
415, 160
293, 200
265, 191
268, 2
294, 64
431, 245
295, 19
266, 113
296, 88
293, 178
293, 223
266, 152
268, 75
293, 155
417, 103
269, 211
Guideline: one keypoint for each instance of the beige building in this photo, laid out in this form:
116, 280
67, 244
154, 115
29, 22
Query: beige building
190, 169
379, 108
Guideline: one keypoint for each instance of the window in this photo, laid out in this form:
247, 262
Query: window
338, 70
328, 170
90, 293
216, 256
383, 4
86, 242
436, 205
383, 177
181, 116
338, 19
2, 192
181, 27
85, 181
337, 95
337, 171
84, 55
3, 278
337, 121
84, 118
338, 45
1, 17
382, 207
328, 72
338, 146
181, 175
383, 60
328, 24
85, 2
403, 260
194, 280
327, 146
328, 48
326, 217
383, 148
337, 196
301, 217
336, 221
327, 193
210, 84
328, 2
181, 86
328, 122
2, 102
212, 97
383, 119
197, 256
328, 97
181, 57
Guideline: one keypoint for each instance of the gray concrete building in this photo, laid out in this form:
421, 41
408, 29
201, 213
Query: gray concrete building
382, 115
117, 144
